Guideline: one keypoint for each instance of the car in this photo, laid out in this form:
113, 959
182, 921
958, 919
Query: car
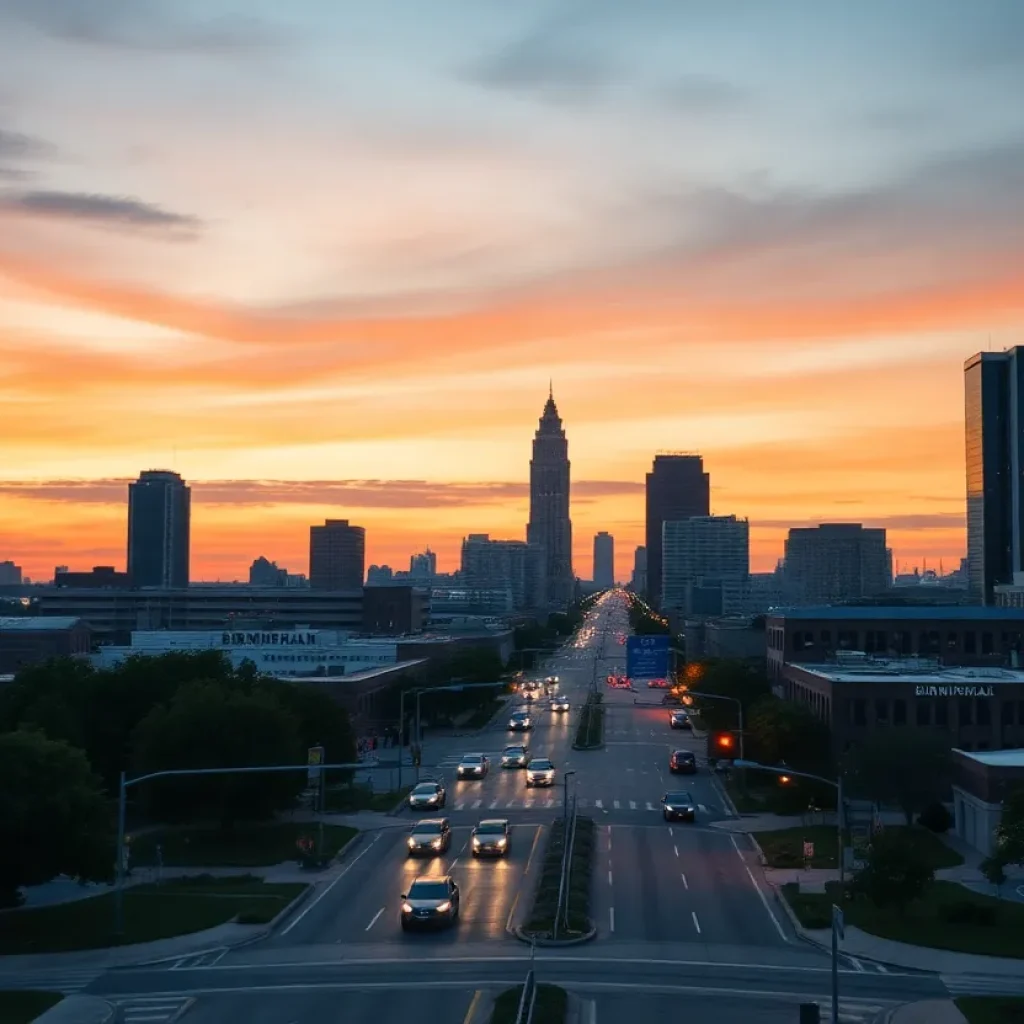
678, 806
680, 719
560, 704
520, 721
428, 795
473, 766
540, 772
491, 838
430, 836
430, 903
530, 694
515, 757
683, 762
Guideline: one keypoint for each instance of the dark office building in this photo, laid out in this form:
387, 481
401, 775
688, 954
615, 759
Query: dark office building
394, 611
100, 576
337, 556
31, 640
994, 435
677, 488
159, 513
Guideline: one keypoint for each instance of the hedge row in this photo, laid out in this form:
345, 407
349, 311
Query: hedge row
545, 901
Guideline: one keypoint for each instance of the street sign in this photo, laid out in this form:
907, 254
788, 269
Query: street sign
647, 657
314, 758
808, 850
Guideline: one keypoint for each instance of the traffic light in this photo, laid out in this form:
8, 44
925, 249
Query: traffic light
785, 780
723, 744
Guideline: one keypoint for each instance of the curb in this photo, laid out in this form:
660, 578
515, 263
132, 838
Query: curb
595, 746
530, 940
727, 800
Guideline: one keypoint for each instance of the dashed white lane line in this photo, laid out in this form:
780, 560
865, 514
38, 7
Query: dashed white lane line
696, 923
675, 849
632, 805
615, 804
609, 878
611, 918
856, 963
376, 918
753, 882
686, 885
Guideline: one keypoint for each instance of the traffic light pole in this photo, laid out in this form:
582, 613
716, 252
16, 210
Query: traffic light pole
732, 700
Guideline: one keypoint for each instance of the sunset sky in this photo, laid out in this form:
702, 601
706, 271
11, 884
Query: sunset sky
322, 257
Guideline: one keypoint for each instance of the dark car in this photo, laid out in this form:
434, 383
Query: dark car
430, 902
430, 836
491, 838
678, 806
683, 762
680, 720
428, 796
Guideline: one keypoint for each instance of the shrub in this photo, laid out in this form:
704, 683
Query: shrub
965, 912
936, 818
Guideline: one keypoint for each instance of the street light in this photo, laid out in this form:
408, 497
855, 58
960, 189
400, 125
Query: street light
565, 790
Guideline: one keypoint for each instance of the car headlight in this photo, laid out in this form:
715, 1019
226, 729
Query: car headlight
443, 908
436, 844
476, 842
502, 842
412, 843
433, 799
406, 908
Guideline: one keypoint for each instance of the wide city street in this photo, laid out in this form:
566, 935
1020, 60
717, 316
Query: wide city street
683, 916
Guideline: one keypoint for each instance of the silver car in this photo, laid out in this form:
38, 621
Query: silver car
520, 721
430, 836
515, 757
428, 796
560, 704
473, 766
430, 902
540, 772
490, 838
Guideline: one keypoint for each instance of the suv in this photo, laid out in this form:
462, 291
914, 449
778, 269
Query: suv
680, 720
430, 836
473, 766
678, 805
683, 762
430, 902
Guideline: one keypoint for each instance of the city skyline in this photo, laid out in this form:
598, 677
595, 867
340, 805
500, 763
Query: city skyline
782, 266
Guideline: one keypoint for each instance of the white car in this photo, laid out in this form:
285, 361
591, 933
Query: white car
473, 766
560, 704
540, 772
520, 721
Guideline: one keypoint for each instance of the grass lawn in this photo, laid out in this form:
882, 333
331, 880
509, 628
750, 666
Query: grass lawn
545, 901
150, 912
22, 1007
550, 1008
924, 923
992, 1009
246, 846
783, 848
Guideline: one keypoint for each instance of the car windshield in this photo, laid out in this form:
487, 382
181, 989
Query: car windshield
520, 714
677, 798
542, 765
429, 891
683, 755
490, 828
425, 789
429, 828
514, 751
473, 759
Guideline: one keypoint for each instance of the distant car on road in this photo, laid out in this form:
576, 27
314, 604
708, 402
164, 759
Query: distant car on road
430, 836
680, 720
683, 762
540, 772
491, 838
678, 806
473, 766
428, 795
430, 902
515, 757
560, 704
520, 721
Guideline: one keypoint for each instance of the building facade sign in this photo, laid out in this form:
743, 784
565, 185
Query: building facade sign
954, 691
293, 638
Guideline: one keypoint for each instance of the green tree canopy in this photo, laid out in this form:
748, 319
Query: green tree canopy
908, 767
1010, 830
727, 677
895, 873
54, 817
212, 725
786, 731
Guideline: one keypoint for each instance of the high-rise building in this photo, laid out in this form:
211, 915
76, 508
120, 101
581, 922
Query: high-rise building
994, 434
836, 562
337, 555
550, 526
159, 516
677, 488
264, 573
639, 579
10, 574
604, 560
704, 553
423, 566
495, 565
380, 576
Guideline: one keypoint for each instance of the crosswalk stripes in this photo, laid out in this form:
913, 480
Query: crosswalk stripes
206, 959
67, 981
153, 1009
853, 1011
539, 802
983, 984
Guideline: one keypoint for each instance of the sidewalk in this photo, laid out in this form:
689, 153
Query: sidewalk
931, 1011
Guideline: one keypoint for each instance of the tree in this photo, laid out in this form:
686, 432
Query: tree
895, 873
1010, 830
994, 870
213, 725
784, 731
53, 814
320, 720
909, 767
727, 677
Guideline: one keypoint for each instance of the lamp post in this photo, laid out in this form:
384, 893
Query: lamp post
565, 791
732, 700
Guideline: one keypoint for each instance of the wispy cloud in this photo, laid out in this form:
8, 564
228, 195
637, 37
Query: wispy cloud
701, 94
18, 145
382, 494
111, 211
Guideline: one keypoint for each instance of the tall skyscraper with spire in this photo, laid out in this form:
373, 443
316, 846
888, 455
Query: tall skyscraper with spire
550, 527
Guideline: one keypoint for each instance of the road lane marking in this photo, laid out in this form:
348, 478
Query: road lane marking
856, 963
696, 923
598, 804
882, 968
471, 1012
615, 804
609, 878
670, 832
632, 805
316, 899
650, 807
526, 872
611, 918
591, 1013
476, 804
675, 849
492, 804
376, 918
686, 885
753, 882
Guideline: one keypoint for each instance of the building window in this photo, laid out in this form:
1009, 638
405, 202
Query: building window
924, 712
952, 640
970, 642
984, 712
942, 714
826, 638
1006, 713
899, 712
965, 714
986, 643
848, 639
882, 712
906, 642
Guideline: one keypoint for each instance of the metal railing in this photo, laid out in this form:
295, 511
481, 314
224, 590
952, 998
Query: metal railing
568, 839
528, 999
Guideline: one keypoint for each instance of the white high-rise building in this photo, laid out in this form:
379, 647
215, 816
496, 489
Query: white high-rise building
705, 559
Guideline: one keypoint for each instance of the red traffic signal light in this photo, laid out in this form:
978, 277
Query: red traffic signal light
723, 741
785, 780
